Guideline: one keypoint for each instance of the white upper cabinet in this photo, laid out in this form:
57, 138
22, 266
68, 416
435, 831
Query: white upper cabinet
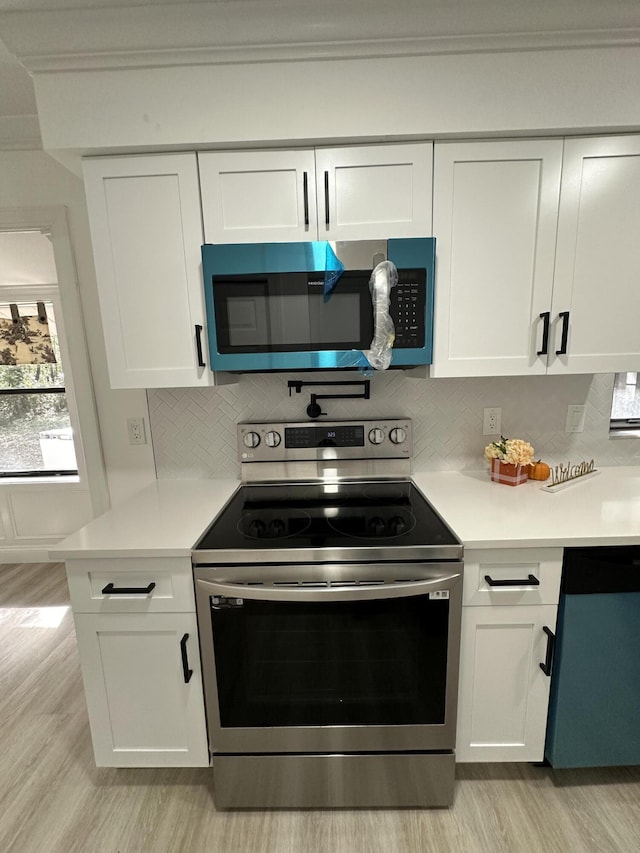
495, 221
348, 193
597, 275
538, 257
258, 196
146, 230
373, 192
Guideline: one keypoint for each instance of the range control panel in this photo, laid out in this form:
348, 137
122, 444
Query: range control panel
281, 442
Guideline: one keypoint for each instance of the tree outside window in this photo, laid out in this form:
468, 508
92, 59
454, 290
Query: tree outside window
36, 438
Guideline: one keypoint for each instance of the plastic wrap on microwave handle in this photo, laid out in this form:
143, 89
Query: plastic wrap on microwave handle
383, 278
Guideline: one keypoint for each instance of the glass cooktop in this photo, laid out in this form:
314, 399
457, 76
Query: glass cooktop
327, 515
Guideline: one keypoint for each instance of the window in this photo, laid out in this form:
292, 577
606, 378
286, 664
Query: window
36, 438
625, 409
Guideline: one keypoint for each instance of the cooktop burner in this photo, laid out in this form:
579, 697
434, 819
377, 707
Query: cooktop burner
328, 515
273, 524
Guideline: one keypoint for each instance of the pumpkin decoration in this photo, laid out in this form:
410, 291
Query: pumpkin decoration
539, 470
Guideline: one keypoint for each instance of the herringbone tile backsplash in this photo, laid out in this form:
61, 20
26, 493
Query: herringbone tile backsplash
194, 430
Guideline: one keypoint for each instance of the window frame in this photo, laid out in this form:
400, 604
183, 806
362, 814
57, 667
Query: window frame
624, 427
52, 222
48, 293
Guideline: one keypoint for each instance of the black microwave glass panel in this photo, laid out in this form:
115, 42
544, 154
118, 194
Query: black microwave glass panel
331, 663
288, 312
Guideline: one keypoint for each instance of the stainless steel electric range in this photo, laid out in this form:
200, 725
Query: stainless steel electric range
329, 599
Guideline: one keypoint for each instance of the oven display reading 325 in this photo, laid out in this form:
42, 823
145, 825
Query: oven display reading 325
334, 436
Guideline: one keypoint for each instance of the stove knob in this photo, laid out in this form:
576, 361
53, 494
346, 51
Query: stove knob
256, 528
276, 527
376, 436
398, 435
272, 438
251, 439
376, 526
397, 525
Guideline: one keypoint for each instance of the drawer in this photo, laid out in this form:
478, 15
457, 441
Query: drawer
512, 576
130, 579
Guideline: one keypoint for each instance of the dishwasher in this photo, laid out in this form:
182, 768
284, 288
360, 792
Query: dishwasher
594, 709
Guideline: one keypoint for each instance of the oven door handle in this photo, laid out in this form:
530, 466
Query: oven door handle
337, 592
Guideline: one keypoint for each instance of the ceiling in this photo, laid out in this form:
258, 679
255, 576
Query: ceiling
64, 34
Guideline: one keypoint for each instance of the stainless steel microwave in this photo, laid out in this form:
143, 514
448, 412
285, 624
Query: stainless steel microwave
268, 309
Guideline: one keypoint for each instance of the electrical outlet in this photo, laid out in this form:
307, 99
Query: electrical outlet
136, 431
492, 421
575, 418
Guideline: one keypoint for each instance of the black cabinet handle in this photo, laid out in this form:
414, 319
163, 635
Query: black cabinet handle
547, 666
326, 198
565, 333
186, 672
545, 317
531, 580
305, 192
199, 346
110, 589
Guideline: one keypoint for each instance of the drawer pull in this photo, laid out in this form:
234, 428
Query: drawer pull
186, 672
547, 666
532, 580
110, 589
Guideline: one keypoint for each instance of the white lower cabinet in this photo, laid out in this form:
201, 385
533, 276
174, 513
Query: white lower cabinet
138, 645
503, 691
145, 703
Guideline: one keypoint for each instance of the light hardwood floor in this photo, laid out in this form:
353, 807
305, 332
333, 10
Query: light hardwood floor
54, 800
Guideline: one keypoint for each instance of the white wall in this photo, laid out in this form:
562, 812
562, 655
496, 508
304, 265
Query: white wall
34, 179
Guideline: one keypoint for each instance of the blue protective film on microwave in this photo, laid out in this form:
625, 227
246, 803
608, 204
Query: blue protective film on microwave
333, 269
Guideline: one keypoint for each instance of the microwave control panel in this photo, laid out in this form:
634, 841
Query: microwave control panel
407, 308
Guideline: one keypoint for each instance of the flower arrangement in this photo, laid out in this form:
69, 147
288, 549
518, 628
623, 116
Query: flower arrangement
513, 451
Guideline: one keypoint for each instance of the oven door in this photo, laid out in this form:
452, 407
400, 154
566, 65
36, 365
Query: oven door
345, 667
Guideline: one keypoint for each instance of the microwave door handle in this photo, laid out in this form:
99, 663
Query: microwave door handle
319, 592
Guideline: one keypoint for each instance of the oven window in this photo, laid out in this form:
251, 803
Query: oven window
322, 664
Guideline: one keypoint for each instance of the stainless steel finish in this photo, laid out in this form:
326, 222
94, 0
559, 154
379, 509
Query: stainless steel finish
361, 254
387, 449
316, 766
302, 739
240, 556
326, 471
333, 781
327, 591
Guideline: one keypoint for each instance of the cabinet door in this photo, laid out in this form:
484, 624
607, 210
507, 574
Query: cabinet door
598, 257
495, 213
504, 695
146, 232
373, 192
258, 196
142, 712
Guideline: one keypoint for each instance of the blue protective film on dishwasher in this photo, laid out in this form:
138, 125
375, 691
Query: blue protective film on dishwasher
333, 269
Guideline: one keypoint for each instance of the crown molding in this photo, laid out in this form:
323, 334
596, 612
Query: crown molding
101, 36
343, 50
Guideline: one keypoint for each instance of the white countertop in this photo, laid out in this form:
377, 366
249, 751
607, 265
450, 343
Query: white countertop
169, 516
603, 509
